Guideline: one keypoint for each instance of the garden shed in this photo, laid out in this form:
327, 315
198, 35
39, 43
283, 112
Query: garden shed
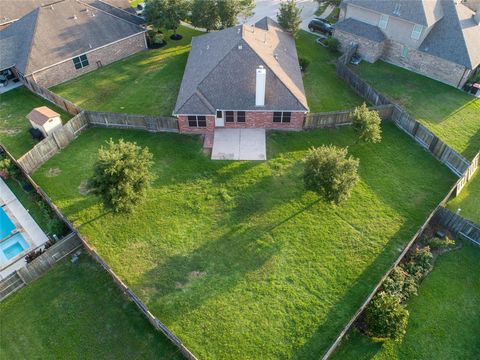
44, 119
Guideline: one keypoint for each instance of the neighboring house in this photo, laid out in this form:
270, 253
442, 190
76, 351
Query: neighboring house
436, 38
44, 119
60, 41
247, 76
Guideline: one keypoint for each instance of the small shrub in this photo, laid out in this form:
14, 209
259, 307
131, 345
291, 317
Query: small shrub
420, 262
330, 172
304, 64
367, 124
400, 283
332, 43
436, 243
385, 316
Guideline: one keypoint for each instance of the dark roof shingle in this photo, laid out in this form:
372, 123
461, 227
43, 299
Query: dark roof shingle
362, 29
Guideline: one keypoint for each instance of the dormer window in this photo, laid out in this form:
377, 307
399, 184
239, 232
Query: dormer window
417, 31
383, 22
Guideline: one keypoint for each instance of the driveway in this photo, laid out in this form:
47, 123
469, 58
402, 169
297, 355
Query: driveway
239, 144
270, 8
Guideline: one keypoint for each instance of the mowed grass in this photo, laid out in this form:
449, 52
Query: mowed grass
236, 257
468, 200
325, 91
14, 107
75, 311
450, 113
444, 318
145, 83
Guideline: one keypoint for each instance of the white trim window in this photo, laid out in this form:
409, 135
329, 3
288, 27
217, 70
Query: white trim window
80, 61
282, 116
383, 22
417, 31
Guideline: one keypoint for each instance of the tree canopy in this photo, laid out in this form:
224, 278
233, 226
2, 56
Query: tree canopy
367, 124
289, 16
121, 175
166, 13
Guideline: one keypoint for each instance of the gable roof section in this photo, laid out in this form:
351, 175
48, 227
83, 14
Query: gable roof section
456, 37
16, 40
362, 29
41, 115
422, 12
63, 30
220, 71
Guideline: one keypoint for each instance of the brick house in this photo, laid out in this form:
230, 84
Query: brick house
247, 76
57, 42
436, 38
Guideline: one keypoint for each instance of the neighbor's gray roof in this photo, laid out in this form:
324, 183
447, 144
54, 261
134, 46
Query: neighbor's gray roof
12, 10
422, 12
220, 71
456, 37
361, 29
63, 30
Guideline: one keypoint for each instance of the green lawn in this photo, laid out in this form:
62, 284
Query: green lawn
444, 318
235, 257
76, 312
325, 92
144, 83
468, 200
450, 113
14, 107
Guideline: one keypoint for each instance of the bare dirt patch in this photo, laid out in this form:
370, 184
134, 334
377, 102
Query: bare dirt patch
196, 274
52, 172
83, 188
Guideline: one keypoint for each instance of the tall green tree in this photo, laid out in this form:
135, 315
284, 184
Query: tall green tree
205, 14
121, 175
166, 13
230, 10
330, 172
367, 124
289, 16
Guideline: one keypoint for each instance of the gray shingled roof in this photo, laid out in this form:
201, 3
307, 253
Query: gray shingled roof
422, 12
220, 71
456, 37
361, 29
63, 30
11, 10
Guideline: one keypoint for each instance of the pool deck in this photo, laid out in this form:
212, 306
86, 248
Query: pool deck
30, 230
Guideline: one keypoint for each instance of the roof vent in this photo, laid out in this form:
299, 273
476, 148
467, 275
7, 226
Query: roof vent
275, 56
396, 11
74, 17
208, 47
240, 47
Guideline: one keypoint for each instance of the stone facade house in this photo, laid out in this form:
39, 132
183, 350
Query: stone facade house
436, 38
57, 42
247, 76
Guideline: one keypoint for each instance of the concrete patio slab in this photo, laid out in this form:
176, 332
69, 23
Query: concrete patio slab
239, 144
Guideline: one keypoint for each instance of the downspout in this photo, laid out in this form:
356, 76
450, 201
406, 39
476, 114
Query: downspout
458, 85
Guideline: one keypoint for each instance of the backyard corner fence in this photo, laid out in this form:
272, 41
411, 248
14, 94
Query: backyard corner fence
468, 175
458, 225
40, 265
62, 103
340, 118
54, 254
52, 144
141, 122
452, 159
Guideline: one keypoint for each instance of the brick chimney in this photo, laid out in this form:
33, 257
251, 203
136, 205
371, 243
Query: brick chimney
260, 85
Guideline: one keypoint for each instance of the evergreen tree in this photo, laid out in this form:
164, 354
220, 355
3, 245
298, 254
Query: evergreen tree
289, 16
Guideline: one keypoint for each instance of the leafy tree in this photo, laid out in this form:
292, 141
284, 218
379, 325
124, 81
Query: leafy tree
230, 10
121, 175
205, 14
330, 172
385, 316
367, 124
289, 16
166, 13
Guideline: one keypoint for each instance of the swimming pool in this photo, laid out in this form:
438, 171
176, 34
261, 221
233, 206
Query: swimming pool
12, 247
6, 225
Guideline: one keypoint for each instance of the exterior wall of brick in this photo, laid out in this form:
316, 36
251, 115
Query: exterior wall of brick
426, 64
253, 119
66, 70
369, 50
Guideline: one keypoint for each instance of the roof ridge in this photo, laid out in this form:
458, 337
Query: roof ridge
106, 12
462, 32
203, 99
32, 36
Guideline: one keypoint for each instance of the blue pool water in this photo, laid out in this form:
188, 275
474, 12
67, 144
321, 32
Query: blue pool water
6, 225
12, 247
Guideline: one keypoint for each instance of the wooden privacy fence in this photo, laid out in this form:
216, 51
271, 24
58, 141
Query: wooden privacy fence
340, 118
458, 225
40, 265
52, 144
65, 104
427, 139
142, 122
468, 175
